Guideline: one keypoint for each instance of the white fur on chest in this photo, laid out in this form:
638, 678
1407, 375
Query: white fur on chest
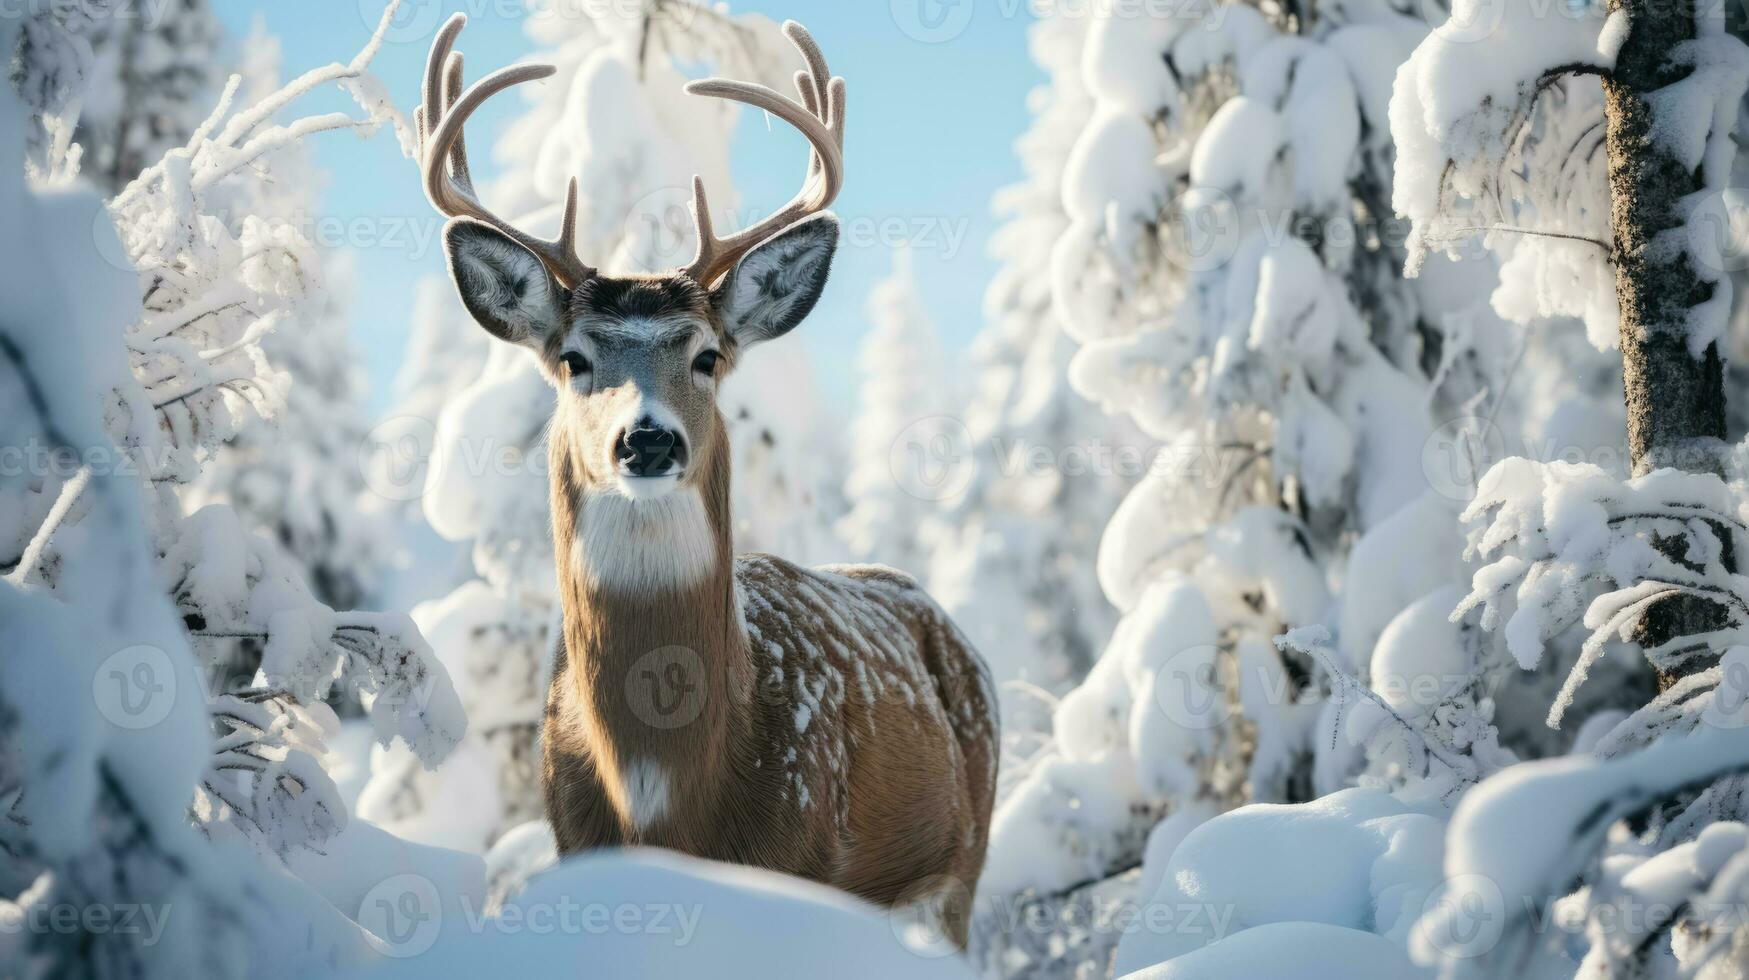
646, 793
635, 546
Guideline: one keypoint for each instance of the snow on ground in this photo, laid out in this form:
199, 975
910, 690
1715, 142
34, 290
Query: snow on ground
646, 913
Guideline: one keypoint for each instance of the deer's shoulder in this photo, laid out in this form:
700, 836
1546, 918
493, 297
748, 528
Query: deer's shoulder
768, 580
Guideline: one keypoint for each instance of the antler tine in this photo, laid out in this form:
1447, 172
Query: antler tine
458, 157
819, 116
431, 96
444, 156
821, 93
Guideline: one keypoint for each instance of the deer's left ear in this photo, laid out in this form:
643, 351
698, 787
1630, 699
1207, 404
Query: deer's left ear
774, 286
502, 283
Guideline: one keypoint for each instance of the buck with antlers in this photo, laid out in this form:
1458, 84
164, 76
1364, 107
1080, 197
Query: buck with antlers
831, 723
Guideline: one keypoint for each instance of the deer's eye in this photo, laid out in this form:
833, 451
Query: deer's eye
706, 362
576, 364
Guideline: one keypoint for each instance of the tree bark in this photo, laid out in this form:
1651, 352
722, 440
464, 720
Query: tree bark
1675, 401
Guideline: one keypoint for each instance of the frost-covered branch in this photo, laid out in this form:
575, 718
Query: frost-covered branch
1565, 544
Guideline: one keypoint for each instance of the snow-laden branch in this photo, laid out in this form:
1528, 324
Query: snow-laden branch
1519, 841
1565, 545
219, 276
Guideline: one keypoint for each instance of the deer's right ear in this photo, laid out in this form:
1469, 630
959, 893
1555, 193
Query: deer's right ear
507, 289
775, 286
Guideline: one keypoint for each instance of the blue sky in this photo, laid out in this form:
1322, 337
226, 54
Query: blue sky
937, 98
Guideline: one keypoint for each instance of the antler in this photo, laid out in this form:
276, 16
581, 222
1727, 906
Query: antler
439, 120
820, 117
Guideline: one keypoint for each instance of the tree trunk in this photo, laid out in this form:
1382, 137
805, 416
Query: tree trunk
1675, 401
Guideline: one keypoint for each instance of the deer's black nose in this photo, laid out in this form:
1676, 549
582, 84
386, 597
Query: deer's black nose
648, 449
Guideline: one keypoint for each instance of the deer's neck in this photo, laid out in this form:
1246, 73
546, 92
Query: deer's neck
659, 679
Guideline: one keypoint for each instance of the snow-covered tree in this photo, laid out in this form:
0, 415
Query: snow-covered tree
130, 353
615, 118
295, 478
903, 392
1045, 467
49, 63
1590, 153
1232, 275
156, 68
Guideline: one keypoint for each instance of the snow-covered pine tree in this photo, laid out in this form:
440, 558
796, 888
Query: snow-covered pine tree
1625, 857
156, 69
1047, 467
295, 478
49, 63
615, 117
130, 352
903, 391
1647, 563
1232, 276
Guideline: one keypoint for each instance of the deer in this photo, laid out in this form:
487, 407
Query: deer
830, 723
